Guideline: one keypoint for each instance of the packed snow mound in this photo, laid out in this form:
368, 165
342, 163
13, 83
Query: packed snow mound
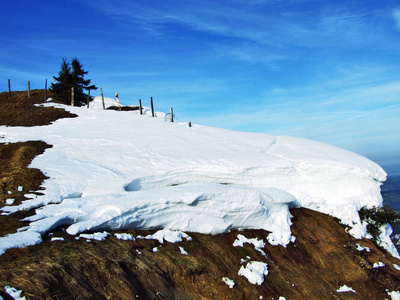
120, 170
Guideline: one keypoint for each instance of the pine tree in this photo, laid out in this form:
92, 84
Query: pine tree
62, 89
71, 77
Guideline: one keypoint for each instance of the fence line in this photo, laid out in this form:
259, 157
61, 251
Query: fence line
102, 99
28, 91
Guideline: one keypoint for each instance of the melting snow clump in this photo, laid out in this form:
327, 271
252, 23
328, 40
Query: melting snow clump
254, 271
361, 248
183, 251
172, 236
241, 240
53, 239
124, 236
10, 201
98, 236
384, 240
345, 289
395, 295
14, 293
379, 265
229, 282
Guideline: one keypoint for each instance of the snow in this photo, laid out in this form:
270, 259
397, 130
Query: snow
378, 265
361, 248
10, 201
229, 282
117, 170
19, 240
396, 267
254, 271
53, 239
242, 260
183, 251
394, 295
385, 241
98, 236
124, 236
241, 240
258, 244
172, 236
345, 289
14, 293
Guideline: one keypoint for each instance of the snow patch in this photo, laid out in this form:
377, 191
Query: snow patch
345, 289
98, 236
10, 201
172, 236
385, 241
395, 295
254, 271
124, 236
258, 244
229, 282
14, 293
361, 248
183, 251
20, 240
378, 265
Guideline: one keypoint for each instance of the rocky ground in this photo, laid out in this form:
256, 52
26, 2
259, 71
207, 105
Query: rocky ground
323, 257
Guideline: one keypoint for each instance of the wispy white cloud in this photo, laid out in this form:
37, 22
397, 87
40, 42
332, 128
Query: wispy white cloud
396, 16
275, 25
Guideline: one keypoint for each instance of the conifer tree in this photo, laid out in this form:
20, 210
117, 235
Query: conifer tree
71, 77
62, 89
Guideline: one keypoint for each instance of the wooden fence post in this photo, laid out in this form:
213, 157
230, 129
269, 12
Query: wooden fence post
45, 90
88, 98
172, 115
140, 107
102, 98
119, 103
152, 107
29, 89
72, 97
9, 89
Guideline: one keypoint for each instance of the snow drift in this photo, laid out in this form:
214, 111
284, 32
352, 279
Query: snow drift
120, 170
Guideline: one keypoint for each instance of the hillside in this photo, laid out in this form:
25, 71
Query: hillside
322, 258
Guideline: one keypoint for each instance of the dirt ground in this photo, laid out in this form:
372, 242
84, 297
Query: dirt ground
323, 257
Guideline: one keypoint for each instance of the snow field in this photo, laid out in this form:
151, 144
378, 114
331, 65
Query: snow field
112, 170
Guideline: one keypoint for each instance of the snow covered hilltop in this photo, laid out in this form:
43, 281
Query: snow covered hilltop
120, 170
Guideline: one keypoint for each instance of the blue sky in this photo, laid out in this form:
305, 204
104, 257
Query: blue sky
323, 70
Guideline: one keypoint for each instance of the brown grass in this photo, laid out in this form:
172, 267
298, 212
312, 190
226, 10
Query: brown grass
22, 111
